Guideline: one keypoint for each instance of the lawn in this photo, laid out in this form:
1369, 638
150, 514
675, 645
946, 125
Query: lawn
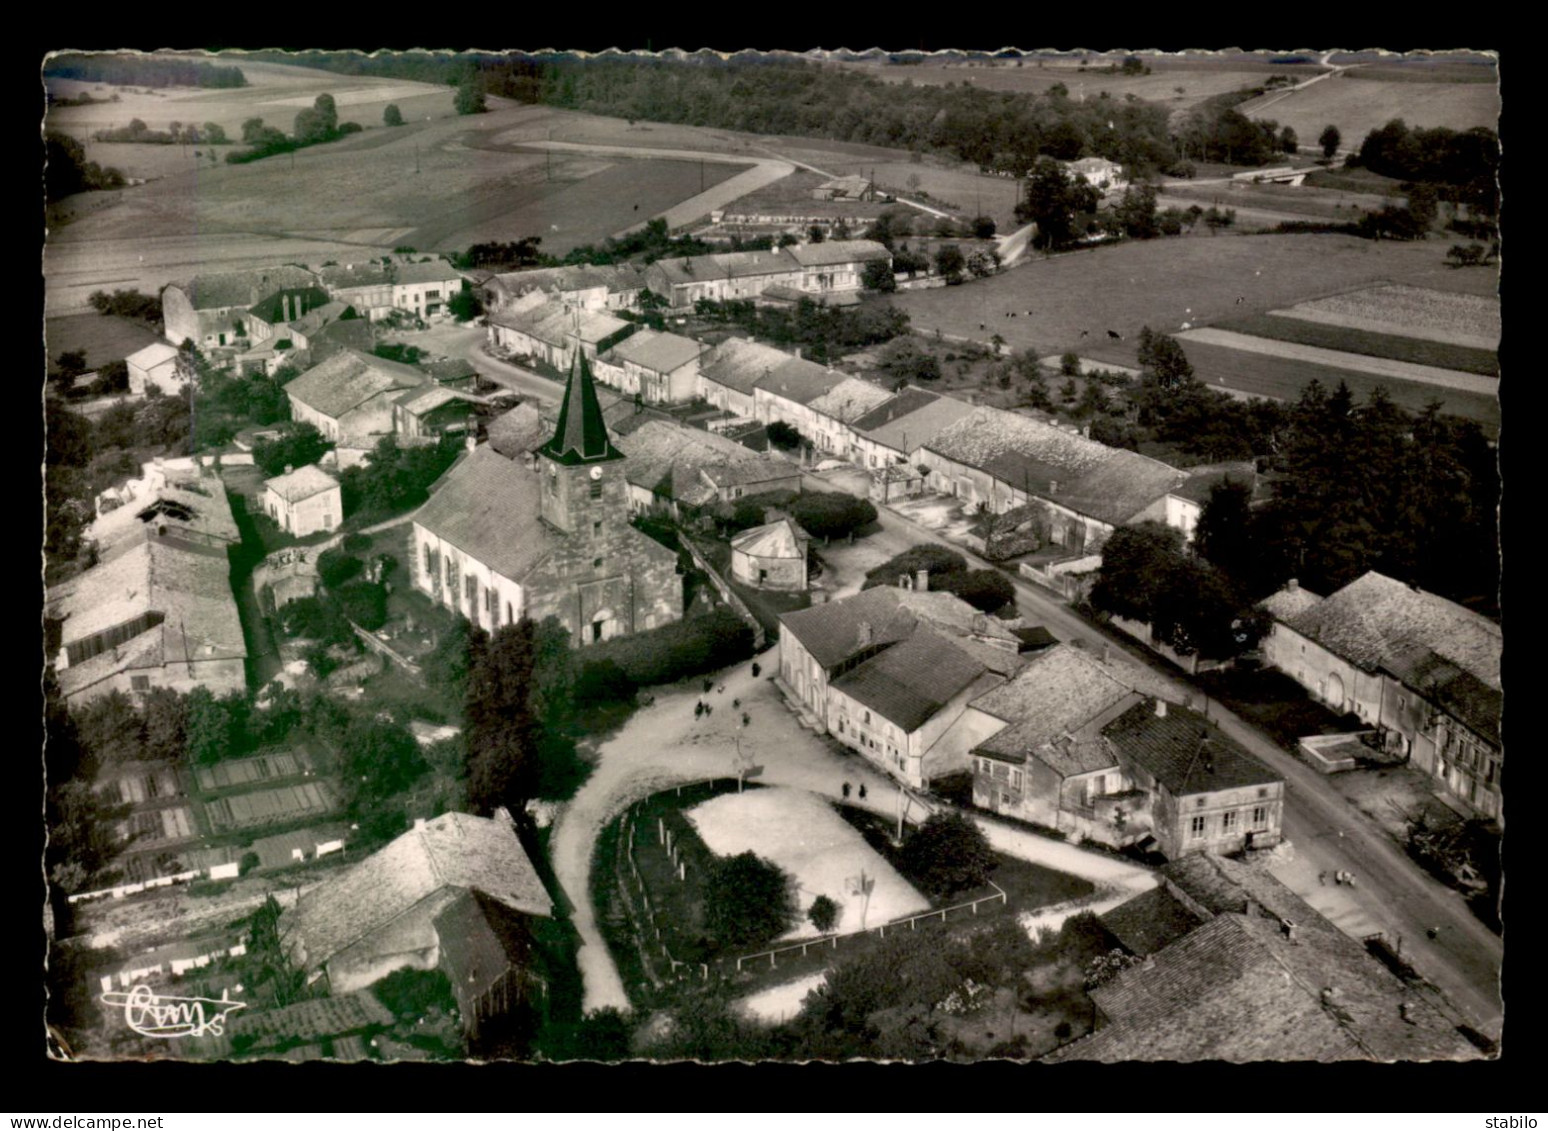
1283, 378
1417, 351
103, 337
1166, 282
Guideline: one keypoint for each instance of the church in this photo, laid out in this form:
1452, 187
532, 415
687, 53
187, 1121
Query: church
547, 534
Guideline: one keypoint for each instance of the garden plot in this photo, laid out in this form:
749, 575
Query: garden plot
1415, 312
251, 771
801, 833
270, 806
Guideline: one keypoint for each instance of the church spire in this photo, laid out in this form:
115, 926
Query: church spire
581, 436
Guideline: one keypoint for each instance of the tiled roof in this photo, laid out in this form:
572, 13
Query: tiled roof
480, 940
350, 378
452, 853
487, 506
579, 277
1117, 489
911, 680
301, 300
1288, 603
833, 253
152, 355
1202, 480
655, 350
676, 461
346, 275
782, 539
420, 401
1217, 885
727, 265
1460, 693
850, 399
1150, 921
798, 380
554, 324
244, 288
1017, 449
197, 506
739, 364
832, 633
349, 333
449, 369
1184, 752
1374, 622
436, 271
315, 319
302, 483
519, 431
909, 421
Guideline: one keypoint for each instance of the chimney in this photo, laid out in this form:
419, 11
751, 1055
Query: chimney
285, 306
921, 580
1251, 910
1160, 708
819, 596
501, 813
472, 436
419, 823
289, 468
1053, 486
1292, 585
863, 634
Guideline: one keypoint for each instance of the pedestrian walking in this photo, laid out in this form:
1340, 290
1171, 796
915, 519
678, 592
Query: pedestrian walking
1432, 932
846, 791
698, 709
746, 719
862, 791
1322, 878
1349, 878
755, 669
736, 704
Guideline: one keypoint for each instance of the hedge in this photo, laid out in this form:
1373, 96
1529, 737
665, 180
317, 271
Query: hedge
665, 655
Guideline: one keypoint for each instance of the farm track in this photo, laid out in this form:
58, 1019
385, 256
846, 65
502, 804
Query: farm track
1338, 359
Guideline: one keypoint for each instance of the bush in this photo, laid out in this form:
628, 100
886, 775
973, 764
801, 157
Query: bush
315, 619
249, 862
335, 567
947, 854
938, 560
747, 901
365, 604
410, 994
985, 589
824, 913
355, 543
603, 681
784, 436
831, 514
678, 651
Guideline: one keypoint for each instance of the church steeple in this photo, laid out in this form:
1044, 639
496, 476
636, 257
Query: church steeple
581, 437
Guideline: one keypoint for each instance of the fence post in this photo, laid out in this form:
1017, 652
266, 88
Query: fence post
738, 965
660, 831
682, 871
943, 915
771, 960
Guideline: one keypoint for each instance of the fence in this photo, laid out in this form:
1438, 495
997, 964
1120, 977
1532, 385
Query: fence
739, 606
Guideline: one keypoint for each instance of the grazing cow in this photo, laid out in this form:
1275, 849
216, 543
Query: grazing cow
1115, 335
1085, 333
1240, 300
1029, 314
980, 325
1186, 326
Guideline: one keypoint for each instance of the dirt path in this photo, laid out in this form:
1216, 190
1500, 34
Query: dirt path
1338, 359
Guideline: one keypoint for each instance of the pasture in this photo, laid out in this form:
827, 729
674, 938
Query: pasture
1304, 201
1359, 105
1165, 282
1415, 351
103, 337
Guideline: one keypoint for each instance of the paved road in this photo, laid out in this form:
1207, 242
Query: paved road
1391, 895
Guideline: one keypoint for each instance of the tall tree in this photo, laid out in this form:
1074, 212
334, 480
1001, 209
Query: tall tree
502, 733
1329, 140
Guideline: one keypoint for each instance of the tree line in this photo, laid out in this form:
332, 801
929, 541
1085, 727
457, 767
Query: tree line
143, 70
315, 125
68, 172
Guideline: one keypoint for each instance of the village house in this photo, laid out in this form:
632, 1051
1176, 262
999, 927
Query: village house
609, 287
1099, 173
496, 966
1000, 460
157, 609
1234, 966
375, 289
211, 310
1185, 502
423, 415
1423, 672
271, 318
832, 414
723, 276
380, 915
350, 397
891, 431
452, 373
837, 265
683, 471
772, 556
304, 501
157, 366
730, 373
846, 188
656, 366
546, 534
552, 333
892, 712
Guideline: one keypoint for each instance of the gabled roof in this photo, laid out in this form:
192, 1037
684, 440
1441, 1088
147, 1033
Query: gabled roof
487, 506
579, 277
519, 431
1289, 602
581, 435
1152, 920
350, 378
157, 353
1118, 488
687, 464
1375, 622
318, 317
836, 631
198, 506
345, 275
727, 265
449, 369
302, 483
480, 940
436, 271
849, 399
244, 288
740, 363
422, 400
911, 419
782, 539
797, 380
554, 323
1017, 449
302, 300
1201, 481
655, 350
1184, 752
453, 853
909, 682
832, 253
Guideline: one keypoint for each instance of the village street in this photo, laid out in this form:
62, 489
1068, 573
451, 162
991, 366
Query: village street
1391, 893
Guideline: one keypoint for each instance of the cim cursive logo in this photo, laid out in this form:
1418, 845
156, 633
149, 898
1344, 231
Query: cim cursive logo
152, 1015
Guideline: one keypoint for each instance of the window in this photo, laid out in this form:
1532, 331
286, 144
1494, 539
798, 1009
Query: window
596, 528
1260, 817
1261, 793
841, 726
596, 488
1196, 830
1015, 779
596, 563
139, 683
429, 562
1199, 803
1228, 822
868, 717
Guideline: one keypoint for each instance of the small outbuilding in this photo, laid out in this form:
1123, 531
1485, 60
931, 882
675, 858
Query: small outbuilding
304, 501
156, 365
771, 556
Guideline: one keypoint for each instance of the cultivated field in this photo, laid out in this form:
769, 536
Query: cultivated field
1415, 312
1338, 359
1302, 201
1164, 283
1416, 351
270, 806
801, 833
1359, 105
103, 338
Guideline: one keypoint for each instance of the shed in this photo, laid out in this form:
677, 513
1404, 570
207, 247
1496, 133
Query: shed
772, 556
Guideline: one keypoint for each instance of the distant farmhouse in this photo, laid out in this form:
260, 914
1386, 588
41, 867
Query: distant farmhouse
846, 188
1099, 173
212, 310
811, 269
656, 366
157, 366
1421, 670
350, 397
375, 290
547, 534
588, 287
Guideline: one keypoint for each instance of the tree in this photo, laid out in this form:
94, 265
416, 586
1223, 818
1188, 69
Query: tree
502, 729
937, 561
831, 514
1137, 562
1329, 139
464, 305
906, 360
1288, 141
947, 854
877, 276
1224, 534
950, 263
252, 131
824, 913
983, 227
747, 901
392, 116
1069, 364
328, 111
1052, 199
1473, 255
1136, 212
297, 445
815, 233
470, 95
215, 134
1163, 359
987, 590
785, 437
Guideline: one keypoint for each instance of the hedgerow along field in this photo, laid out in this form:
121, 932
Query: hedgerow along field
1165, 282
1443, 355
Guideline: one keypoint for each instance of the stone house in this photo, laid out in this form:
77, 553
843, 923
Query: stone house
304, 501
723, 276
376, 289
772, 556
546, 534
1422, 671
271, 318
552, 333
656, 366
156, 365
610, 287
211, 310
423, 414
837, 265
350, 397
730, 373
683, 471
381, 914
891, 431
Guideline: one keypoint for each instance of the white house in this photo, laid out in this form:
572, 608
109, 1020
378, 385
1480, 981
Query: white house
156, 365
304, 501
